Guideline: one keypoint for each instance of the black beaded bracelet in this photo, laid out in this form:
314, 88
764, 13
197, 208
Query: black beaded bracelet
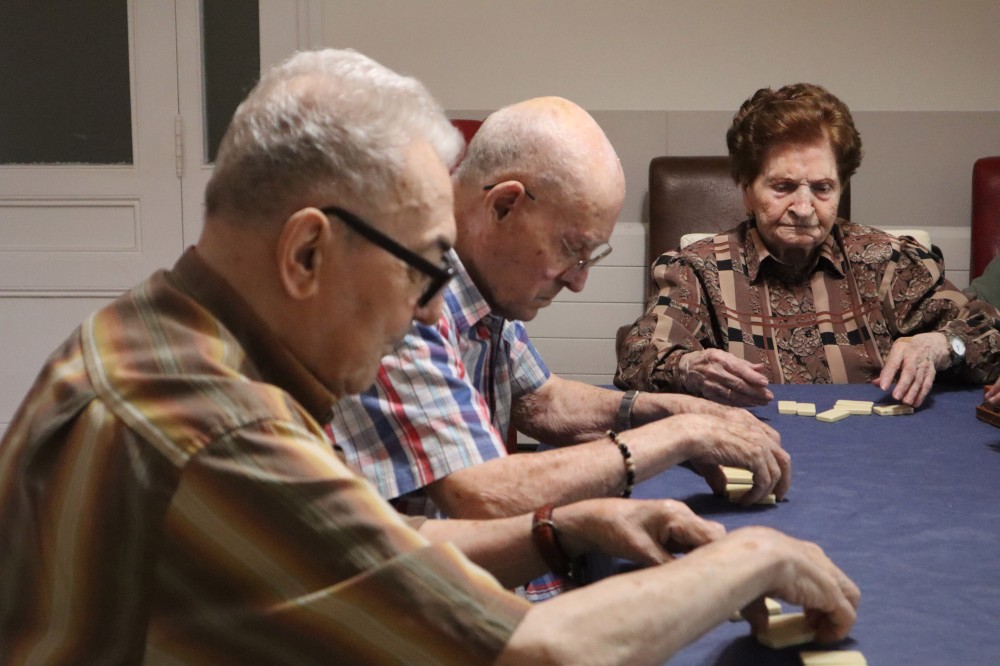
629, 463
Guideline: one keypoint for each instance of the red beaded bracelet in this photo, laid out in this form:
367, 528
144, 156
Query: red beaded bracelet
546, 538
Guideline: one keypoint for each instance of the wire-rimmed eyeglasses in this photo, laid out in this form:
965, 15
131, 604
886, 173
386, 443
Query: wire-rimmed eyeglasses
596, 254
438, 276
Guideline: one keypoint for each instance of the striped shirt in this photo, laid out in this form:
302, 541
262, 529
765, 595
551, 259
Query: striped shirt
167, 493
835, 325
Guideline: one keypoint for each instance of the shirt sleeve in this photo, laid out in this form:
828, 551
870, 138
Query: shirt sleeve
917, 298
421, 420
275, 548
678, 320
528, 370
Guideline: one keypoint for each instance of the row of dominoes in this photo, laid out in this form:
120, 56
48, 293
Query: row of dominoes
842, 409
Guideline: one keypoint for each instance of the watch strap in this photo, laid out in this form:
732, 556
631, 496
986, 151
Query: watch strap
623, 419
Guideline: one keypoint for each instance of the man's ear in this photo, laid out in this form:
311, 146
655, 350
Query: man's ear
502, 197
303, 246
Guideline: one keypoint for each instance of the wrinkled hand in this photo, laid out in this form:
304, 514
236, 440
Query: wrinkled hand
805, 576
912, 364
992, 396
643, 531
686, 404
724, 378
714, 441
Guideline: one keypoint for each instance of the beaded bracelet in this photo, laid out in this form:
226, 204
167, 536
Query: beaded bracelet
629, 463
546, 538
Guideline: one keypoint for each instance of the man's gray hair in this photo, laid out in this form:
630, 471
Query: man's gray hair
329, 123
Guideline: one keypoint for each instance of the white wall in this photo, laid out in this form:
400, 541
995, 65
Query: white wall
877, 55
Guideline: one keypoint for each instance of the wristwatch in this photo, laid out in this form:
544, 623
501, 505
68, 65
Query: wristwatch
957, 350
623, 419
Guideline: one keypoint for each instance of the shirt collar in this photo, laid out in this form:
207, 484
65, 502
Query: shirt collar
759, 258
466, 303
272, 359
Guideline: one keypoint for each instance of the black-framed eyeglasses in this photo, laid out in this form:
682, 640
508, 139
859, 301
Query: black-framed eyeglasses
438, 275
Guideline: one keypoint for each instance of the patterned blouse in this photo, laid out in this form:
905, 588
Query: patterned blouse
833, 323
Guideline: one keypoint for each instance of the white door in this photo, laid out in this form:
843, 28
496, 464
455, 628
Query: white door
95, 196
77, 216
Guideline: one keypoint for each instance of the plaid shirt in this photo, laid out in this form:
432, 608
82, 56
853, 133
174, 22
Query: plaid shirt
167, 494
836, 325
442, 402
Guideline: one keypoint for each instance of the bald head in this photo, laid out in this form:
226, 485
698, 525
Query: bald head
536, 198
550, 144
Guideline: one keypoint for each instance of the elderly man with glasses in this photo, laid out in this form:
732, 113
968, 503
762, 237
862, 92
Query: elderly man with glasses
536, 199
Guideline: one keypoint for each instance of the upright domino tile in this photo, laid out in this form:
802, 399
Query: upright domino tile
806, 409
892, 410
734, 491
773, 607
786, 630
737, 475
833, 658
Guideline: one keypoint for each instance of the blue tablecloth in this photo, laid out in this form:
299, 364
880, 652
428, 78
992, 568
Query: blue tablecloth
908, 506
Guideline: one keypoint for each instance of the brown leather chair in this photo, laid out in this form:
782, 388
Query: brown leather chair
695, 194
985, 213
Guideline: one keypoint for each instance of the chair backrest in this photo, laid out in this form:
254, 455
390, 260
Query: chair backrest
467, 126
985, 213
696, 195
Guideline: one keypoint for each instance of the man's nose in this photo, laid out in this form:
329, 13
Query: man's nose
576, 279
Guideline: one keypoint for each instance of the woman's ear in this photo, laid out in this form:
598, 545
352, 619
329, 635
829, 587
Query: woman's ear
303, 246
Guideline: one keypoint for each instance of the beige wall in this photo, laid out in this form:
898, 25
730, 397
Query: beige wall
664, 77
878, 55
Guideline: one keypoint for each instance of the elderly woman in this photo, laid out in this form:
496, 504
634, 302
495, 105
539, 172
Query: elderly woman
796, 295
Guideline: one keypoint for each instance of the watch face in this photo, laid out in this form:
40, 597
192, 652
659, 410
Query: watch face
958, 347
